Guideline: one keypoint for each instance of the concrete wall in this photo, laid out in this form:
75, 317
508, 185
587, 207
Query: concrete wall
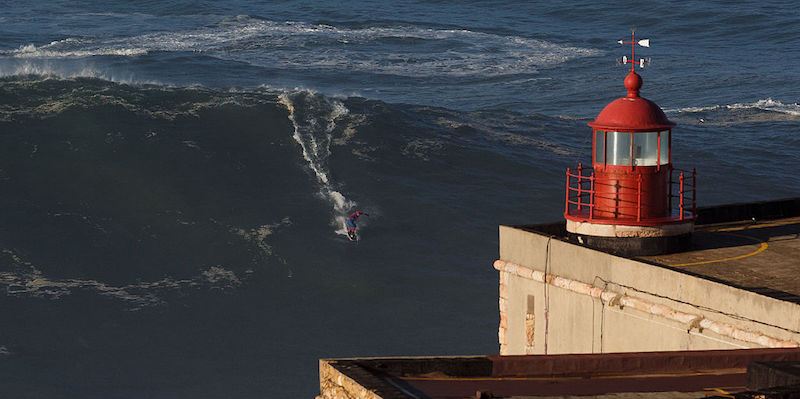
579, 300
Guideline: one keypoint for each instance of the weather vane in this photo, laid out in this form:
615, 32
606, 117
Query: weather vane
633, 43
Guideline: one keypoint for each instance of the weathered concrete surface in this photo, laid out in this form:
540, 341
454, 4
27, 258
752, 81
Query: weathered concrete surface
761, 256
721, 315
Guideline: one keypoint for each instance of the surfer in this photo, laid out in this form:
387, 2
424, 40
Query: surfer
351, 224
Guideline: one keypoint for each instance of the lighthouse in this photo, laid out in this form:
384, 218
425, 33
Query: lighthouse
632, 200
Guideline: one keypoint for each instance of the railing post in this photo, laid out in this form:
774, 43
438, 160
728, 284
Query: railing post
591, 197
566, 199
681, 194
669, 188
580, 185
639, 201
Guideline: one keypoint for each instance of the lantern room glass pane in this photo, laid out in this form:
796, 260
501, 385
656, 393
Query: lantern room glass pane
618, 148
665, 147
645, 148
598, 146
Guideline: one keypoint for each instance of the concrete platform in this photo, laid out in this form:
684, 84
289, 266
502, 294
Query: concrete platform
759, 256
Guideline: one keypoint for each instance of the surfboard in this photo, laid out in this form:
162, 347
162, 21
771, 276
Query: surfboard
352, 236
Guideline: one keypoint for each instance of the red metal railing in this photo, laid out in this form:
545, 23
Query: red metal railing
581, 190
685, 182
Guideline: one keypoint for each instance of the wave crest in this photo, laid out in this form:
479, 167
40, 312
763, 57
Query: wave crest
765, 105
57, 49
759, 111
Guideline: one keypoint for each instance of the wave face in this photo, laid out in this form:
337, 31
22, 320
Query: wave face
210, 221
177, 215
175, 175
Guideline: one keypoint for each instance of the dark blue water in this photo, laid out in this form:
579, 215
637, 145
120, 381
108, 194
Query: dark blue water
174, 175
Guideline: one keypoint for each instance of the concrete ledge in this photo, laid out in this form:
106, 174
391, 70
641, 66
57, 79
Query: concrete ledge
623, 231
622, 300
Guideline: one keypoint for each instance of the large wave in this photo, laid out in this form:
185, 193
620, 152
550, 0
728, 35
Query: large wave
117, 190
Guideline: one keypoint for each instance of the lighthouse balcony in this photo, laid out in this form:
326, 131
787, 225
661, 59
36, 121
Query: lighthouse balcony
629, 202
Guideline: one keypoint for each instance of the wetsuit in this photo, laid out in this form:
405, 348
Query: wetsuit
351, 221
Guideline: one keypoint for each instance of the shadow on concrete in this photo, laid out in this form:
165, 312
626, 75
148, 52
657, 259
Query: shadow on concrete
773, 293
748, 235
762, 210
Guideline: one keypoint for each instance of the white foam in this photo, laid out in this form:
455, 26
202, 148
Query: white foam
259, 235
767, 105
86, 97
49, 69
315, 144
771, 105
384, 50
27, 280
54, 68
51, 51
693, 109
221, 277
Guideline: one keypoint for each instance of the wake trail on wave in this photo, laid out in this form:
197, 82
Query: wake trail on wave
313, 117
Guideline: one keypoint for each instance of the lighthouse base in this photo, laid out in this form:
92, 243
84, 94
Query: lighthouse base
628, 240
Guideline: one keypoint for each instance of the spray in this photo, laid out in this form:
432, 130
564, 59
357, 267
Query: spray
314, 119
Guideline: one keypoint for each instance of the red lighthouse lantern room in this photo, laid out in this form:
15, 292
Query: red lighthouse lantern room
632, 201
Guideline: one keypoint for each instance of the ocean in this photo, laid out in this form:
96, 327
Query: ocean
175, 175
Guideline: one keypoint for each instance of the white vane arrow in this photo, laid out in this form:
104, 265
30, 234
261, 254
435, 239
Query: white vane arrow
643, 42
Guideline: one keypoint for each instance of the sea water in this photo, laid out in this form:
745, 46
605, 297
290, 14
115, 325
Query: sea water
175, 175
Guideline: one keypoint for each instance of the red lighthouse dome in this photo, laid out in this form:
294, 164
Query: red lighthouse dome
632, 113
632, 200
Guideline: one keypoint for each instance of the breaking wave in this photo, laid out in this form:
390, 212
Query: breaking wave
764, 105
59, 49
68, 70
82, 92
758, 111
